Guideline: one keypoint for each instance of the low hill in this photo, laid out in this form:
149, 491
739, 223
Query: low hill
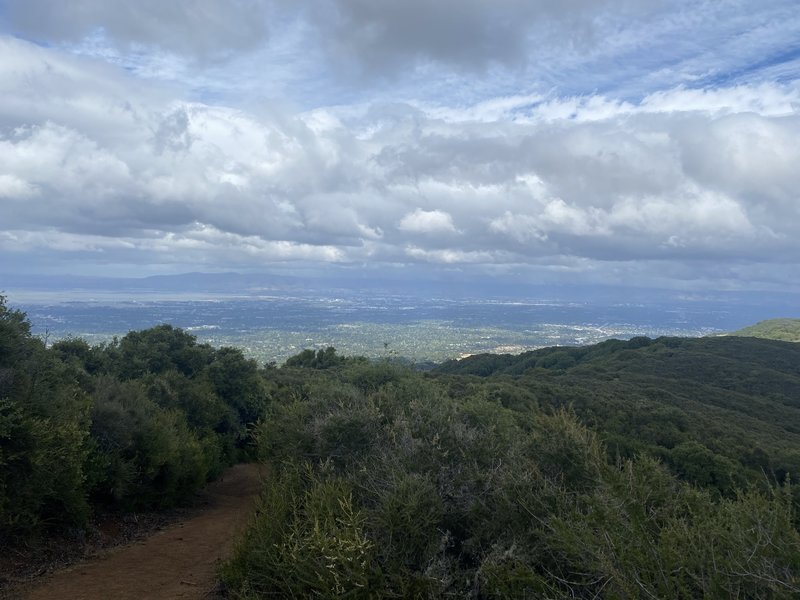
735, 399
787, 330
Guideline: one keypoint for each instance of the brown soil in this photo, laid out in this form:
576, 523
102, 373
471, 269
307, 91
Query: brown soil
178, 562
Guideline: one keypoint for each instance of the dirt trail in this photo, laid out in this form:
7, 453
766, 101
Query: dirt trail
179, 562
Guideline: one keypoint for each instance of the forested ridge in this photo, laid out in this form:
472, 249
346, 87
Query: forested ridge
787, 330
720, 411
629, 469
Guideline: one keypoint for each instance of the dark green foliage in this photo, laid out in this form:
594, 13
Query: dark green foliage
236, 381
703, 406
44, 419
150, 455
15, 340
142, 422
306, 541
640, 469
321, 359
464, 487
82, 356
157, 350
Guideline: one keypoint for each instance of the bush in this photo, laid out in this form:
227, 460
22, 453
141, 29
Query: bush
307, 541
141, 422
413, 493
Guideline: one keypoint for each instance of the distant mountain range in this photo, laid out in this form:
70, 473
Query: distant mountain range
748, 306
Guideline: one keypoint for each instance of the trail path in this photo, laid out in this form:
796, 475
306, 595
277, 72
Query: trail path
178, 562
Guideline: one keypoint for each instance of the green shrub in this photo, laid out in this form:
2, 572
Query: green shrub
463, 497
307, 541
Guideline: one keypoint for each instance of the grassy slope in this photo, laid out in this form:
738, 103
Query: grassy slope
787, 330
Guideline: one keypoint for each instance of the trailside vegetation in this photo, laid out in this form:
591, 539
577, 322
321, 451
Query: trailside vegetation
640, 469
139, 423
628, 469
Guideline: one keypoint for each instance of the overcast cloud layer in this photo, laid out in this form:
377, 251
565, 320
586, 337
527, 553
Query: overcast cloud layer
583, 141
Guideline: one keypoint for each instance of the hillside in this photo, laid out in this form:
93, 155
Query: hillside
676, 398
787, 330
621, 469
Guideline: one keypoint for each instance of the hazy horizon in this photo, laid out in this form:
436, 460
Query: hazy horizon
272, 318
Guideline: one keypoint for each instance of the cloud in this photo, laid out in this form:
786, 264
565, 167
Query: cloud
95, 162
453, 256
12, 186
204, 29
471, 34
470, 51
196, 244
427, 221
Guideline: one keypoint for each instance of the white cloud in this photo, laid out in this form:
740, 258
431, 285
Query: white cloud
634, 182
522, 228
454, 256
427, 221
195, 245
763, 99
95, 159
475, 53
12, 186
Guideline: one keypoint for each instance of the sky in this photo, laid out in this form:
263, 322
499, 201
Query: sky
633, 142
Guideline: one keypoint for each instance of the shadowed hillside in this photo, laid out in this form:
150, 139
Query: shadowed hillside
734, 401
